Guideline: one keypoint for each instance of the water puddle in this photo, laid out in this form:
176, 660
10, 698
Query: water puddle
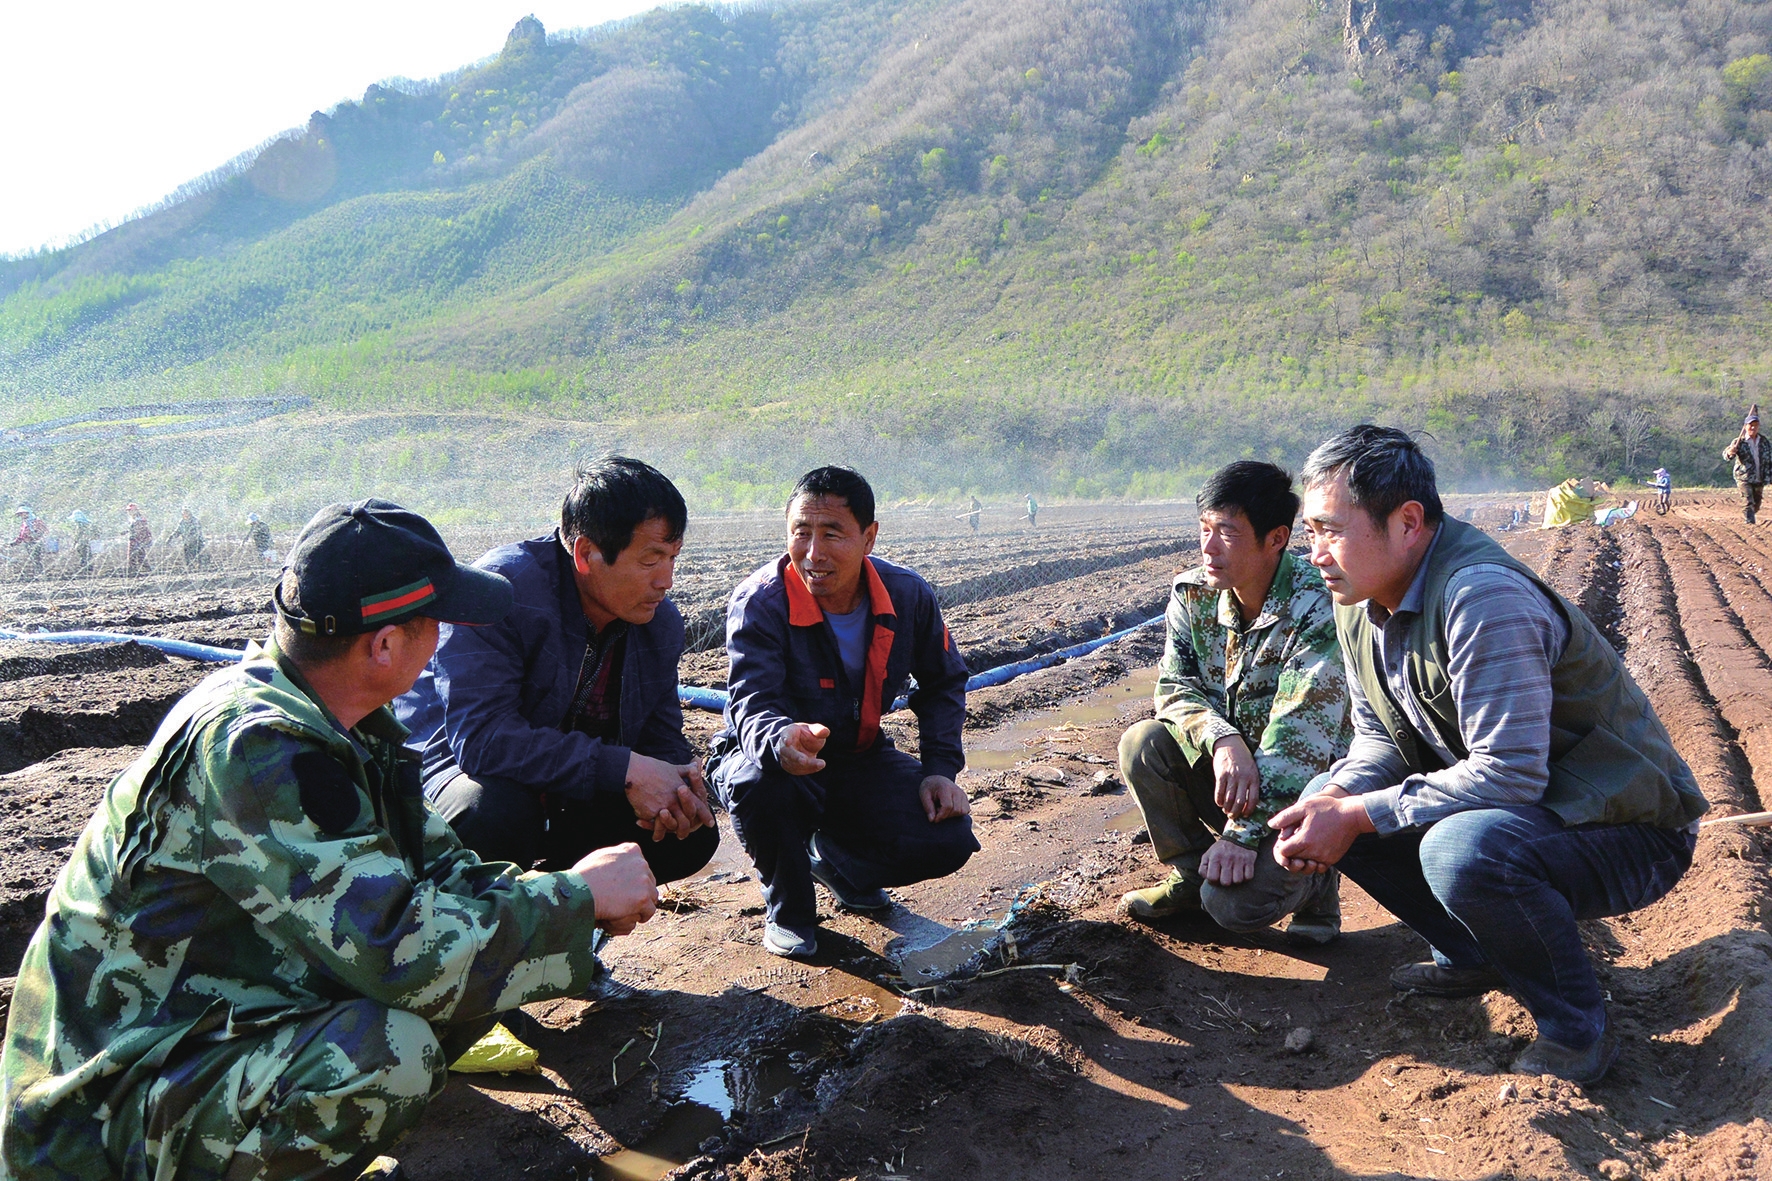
1050, 731
676, 1139
1131, 820
959, 954
711, 1095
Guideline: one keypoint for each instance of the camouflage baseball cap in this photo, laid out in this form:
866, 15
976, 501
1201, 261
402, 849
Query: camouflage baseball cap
362, 566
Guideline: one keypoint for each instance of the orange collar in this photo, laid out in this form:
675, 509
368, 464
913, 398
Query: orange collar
803, 609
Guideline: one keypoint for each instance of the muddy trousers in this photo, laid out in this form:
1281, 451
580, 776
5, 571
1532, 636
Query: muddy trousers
321, 1096
1176, 798
869, 818
1750, 500
1506, 887
501, 820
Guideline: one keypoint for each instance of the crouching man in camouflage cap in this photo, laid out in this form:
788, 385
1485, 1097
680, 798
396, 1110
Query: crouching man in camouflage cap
266, 949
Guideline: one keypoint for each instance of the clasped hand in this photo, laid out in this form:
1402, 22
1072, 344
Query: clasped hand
667, 797
1315, 833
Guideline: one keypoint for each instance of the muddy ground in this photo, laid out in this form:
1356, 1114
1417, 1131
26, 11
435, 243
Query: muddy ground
1092, 1046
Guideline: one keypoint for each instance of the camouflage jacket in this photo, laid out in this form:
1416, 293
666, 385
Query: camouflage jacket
1278, 682
254, 865
1738, 451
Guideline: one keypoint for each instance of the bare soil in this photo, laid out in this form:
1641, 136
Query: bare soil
1099, 1046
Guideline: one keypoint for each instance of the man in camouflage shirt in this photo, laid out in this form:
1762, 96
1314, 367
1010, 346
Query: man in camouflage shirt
1251, 703
265, 948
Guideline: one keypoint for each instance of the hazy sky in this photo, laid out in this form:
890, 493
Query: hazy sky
115, 103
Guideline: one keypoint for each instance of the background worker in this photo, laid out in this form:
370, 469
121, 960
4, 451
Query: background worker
266, 949
29, 540
1752, 454
822, 641
1251, 703
258, 538
139, 538
189, 534
1507, 777
86, 541
558, 730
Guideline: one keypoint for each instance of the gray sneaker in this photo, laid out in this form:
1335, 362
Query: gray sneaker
786, 941
1318, 921
1179, 893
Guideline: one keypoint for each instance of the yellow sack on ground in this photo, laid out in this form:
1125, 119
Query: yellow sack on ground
1565, 505
499, 1052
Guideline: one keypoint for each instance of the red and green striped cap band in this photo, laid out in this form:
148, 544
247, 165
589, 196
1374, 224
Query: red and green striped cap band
399, 599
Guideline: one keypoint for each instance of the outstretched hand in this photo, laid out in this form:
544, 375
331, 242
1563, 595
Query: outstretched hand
800, 744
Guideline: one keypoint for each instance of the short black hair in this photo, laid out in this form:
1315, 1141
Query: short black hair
1260, 491
615, 495
1385, 469
846, 482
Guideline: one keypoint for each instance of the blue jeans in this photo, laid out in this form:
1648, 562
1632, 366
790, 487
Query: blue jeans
1506, 886
868, 816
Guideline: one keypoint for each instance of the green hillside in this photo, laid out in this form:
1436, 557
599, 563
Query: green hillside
1084, 246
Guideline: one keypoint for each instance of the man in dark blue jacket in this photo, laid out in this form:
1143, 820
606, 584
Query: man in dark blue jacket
822, 641
558, 730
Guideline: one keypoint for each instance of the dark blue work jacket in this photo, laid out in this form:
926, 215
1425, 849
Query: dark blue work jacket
492, 700
786, 668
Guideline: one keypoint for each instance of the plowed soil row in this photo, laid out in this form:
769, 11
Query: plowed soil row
1736, 672
1659, 657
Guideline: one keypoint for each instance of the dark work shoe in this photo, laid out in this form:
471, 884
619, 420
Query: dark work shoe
786, 941
1179, 893
1544, 1056
1318, 921
848, 895
1430, 979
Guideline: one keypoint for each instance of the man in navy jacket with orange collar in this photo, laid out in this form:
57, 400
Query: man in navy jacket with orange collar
822, 641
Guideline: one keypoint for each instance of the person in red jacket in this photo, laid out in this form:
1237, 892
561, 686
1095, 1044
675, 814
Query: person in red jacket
821, 642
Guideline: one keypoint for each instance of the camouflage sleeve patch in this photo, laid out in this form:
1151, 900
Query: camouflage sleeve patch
349, 902
1308, 724
1189, 697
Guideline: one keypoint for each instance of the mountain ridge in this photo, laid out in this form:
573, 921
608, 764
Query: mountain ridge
1090, 245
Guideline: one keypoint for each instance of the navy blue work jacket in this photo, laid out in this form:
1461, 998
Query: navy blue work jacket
786, 668
493, 698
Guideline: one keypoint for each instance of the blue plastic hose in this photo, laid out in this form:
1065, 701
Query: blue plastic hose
694, 696
182, 648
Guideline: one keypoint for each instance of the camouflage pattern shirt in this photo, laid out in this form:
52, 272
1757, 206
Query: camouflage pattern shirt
1278, 682
255, 865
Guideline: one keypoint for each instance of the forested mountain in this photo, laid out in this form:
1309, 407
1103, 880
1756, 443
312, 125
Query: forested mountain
1082, 245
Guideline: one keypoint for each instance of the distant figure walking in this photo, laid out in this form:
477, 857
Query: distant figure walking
141, 536
258, 538
86, 541
31, 529
972, 515
189, 531
1752, 453
1033, 512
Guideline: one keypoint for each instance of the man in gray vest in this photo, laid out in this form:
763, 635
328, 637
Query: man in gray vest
1507, 778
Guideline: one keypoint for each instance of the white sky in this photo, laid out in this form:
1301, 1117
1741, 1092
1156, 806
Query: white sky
112, 104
